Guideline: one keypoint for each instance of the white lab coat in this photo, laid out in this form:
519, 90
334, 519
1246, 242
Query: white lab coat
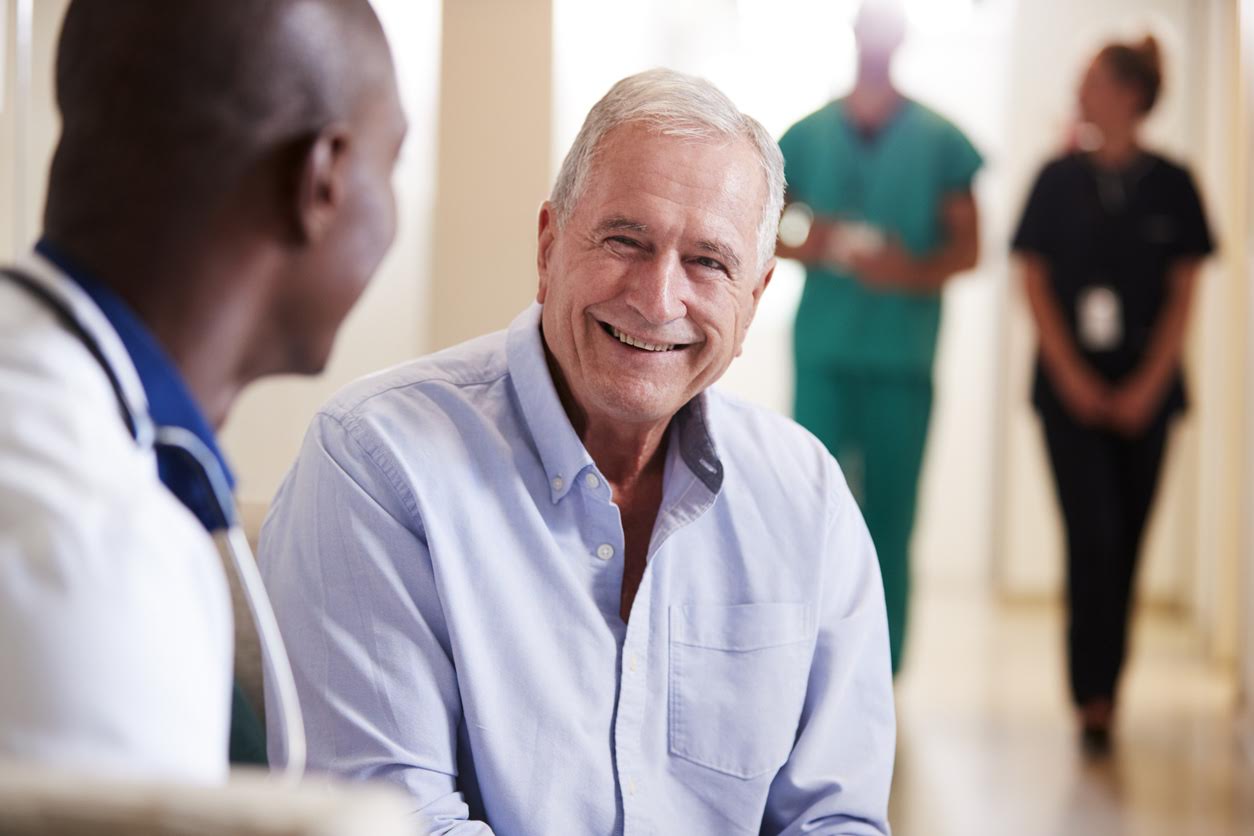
115, 620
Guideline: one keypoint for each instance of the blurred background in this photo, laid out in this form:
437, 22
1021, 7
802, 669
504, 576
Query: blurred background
497, 89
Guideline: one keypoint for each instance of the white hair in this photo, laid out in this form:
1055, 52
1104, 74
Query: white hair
672, 104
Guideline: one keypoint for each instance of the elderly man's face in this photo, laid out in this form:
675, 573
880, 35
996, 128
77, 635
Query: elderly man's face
650, 286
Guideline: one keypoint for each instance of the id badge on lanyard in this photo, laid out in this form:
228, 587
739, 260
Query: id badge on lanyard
1099, 308
1099, 318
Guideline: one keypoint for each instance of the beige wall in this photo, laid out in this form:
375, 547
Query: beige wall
495, 116
1219, 347
1244, 137
28, 124
8, 126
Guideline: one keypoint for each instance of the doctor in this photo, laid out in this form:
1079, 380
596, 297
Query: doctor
220, 196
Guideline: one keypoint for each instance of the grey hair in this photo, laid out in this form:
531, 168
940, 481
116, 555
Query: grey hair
679, 105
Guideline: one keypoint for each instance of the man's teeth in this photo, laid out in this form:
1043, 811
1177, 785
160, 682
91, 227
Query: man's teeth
632, 341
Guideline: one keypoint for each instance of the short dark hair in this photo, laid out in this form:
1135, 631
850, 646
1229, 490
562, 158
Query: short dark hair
166, 105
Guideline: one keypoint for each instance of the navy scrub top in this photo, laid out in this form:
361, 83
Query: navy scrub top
1123, 229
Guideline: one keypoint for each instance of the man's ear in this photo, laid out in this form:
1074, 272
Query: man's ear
764, 281
757, 297
321, 182
547, 235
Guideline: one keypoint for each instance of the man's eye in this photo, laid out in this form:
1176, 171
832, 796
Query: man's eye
619, 240
710, 264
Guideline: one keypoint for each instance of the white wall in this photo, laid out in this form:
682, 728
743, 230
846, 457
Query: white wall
390, 324
952, 66
1221, 343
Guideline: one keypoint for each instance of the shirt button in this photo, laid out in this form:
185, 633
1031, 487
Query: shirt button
632, 663
558, 483
592, 481
605, 551
631, 787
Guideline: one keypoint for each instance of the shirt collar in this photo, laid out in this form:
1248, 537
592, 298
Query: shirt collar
696, 443
561, 452
169, 401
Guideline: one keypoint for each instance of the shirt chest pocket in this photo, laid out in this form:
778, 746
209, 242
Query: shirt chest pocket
737, 683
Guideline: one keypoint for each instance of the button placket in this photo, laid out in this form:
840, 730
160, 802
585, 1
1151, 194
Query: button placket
606, 536
629, 721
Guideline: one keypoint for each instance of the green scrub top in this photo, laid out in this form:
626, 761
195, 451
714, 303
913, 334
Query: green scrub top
896, 181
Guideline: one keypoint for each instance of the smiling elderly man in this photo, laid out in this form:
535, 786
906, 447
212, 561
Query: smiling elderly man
548, 582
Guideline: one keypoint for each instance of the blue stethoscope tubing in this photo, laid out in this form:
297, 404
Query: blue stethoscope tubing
228, 535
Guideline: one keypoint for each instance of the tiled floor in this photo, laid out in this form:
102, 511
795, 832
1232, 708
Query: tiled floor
987, 747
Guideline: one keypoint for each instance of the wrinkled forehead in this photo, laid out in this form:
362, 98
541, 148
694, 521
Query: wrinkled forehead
636, 166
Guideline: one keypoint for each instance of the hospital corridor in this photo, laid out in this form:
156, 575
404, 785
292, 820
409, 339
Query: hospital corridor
984, 727
676, 417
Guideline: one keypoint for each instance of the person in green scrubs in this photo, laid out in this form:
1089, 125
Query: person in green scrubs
886, 185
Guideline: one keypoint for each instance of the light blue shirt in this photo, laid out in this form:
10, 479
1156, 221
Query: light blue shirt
446, 563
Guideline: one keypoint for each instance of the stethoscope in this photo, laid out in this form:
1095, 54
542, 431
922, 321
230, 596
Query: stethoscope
228, 535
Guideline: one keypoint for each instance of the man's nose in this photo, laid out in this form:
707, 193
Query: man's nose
656, 289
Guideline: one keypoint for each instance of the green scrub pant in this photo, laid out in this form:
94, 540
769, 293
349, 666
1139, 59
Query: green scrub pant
876, 427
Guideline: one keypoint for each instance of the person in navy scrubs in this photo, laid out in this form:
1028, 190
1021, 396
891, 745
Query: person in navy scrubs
1110, 242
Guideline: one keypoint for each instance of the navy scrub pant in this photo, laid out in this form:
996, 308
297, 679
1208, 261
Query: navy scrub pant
1106, 484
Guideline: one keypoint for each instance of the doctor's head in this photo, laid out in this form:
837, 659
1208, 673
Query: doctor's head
233, 158
656, 245
879, 29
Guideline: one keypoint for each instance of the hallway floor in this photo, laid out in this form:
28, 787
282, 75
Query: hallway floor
987, 745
